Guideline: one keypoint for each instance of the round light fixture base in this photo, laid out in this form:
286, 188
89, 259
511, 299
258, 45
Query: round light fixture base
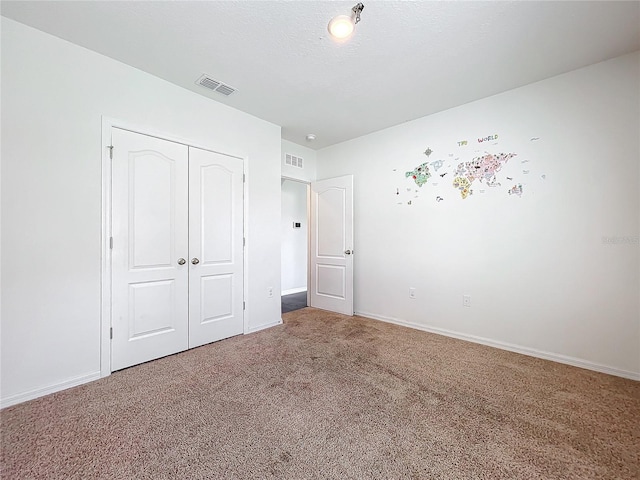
341, 27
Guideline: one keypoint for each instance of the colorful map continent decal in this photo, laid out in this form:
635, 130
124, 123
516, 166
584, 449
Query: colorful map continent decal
482, 168
420, 174
463, 184
437, 165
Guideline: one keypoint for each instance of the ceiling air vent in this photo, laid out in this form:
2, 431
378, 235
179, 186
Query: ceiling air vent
207, 82
225, 89
293, 160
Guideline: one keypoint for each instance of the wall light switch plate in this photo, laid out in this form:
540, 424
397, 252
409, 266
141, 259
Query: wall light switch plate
412, 292
466, 300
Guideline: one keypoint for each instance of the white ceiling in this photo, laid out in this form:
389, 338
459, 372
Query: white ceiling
406, 59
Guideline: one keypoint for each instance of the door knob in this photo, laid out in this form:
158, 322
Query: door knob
181, 261
347, 252
195, 261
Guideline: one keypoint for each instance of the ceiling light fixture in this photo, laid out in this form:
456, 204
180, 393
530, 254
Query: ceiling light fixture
311, 137
341, 26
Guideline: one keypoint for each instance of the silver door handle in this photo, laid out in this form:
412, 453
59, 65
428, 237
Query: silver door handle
181, 261
195, 261
347, 252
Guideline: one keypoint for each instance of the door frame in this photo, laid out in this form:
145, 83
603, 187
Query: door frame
308, 184
108, 124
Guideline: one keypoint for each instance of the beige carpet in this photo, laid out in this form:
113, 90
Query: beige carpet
329, 396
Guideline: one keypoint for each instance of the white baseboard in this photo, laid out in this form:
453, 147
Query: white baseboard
294, 290
532, 352
41, 392
264, 327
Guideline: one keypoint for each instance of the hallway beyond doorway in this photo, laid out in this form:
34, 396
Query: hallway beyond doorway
294, 301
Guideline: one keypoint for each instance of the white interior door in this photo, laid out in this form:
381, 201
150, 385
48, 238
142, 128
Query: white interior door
150, 236
332, 244
215, 246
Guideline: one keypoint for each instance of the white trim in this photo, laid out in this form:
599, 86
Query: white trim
245, 248
309, 220
265, 326
108, 124
151, 132
294, 290
41, 392
105, 253
293, 179
532, 352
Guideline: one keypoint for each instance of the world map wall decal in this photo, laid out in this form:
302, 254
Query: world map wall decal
483, 172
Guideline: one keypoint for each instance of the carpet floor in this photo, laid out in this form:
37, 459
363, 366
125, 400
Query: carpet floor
335, 397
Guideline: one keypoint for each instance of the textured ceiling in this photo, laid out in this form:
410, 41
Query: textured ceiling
406, 59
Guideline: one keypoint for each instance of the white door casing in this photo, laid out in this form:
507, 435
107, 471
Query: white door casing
150, 235
215, 246
331, 256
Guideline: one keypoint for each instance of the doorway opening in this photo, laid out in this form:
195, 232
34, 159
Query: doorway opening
295, 244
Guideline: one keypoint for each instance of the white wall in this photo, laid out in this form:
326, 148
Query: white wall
553, 273
308, 172
53, 97
294, 240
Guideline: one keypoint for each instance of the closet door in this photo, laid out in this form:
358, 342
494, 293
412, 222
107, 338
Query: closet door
215, 246
150, 269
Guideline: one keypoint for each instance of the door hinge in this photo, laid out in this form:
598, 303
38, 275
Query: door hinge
244, 306
244, 178
111, 333
110, 147
111, 243
244, 242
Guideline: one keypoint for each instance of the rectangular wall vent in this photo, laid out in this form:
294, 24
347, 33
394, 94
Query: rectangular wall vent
293, 161
207, 82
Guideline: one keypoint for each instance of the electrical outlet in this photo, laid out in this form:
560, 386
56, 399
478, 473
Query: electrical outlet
270, 292
412, 292
466, 300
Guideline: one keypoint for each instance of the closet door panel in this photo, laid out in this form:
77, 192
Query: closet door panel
150, 234
215, 246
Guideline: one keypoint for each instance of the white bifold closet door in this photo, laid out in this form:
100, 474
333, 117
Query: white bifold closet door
216, 242
176, 260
